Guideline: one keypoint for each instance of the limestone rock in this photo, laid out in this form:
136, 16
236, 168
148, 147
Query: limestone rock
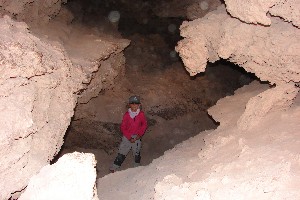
31, 11
277, 98
269, 52
73, 176
256, 11
38, 94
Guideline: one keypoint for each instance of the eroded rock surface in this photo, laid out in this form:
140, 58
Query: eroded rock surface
32, 12
255, 11
40, 80
271, 52
38, 87
42, 76
73, 176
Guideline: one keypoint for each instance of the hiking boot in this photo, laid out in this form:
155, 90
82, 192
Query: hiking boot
113, 169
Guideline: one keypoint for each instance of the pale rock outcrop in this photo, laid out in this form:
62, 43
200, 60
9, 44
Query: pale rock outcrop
73, 177
109, 71
256, 11
38, 94
272, 53
103, 62
277, 98
269, 52
94, 61
97, 55
42, 76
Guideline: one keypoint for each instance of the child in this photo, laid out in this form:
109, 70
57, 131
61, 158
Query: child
133, 127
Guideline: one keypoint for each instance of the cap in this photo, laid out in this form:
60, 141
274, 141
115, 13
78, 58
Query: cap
134, 99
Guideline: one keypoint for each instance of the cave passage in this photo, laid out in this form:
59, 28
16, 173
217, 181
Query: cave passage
175, 103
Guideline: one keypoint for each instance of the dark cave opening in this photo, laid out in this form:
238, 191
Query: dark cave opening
175, 103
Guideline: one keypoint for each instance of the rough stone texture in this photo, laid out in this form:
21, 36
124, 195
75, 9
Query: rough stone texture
104, 78
73, 176
269, 52
38, 87
256, 11
98, 55
273, 99
40, 81
272, 53
32, 12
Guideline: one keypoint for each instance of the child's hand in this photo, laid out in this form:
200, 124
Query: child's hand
132, 140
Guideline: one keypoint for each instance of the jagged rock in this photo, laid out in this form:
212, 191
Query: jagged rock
278, 98
38, 96
255, 11
40, 81
73, 177
258, 49
31, 11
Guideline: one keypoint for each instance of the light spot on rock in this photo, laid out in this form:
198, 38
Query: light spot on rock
114, 16
204, 5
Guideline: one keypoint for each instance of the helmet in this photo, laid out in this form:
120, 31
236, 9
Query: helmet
134, 99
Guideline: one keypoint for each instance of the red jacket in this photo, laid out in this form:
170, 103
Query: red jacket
135, 126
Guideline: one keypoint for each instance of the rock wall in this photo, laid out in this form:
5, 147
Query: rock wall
32, 12
38, 86
73, 176
44, 69
40, 79
258, 12
270, 52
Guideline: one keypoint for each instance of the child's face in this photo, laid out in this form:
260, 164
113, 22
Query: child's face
134, 107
